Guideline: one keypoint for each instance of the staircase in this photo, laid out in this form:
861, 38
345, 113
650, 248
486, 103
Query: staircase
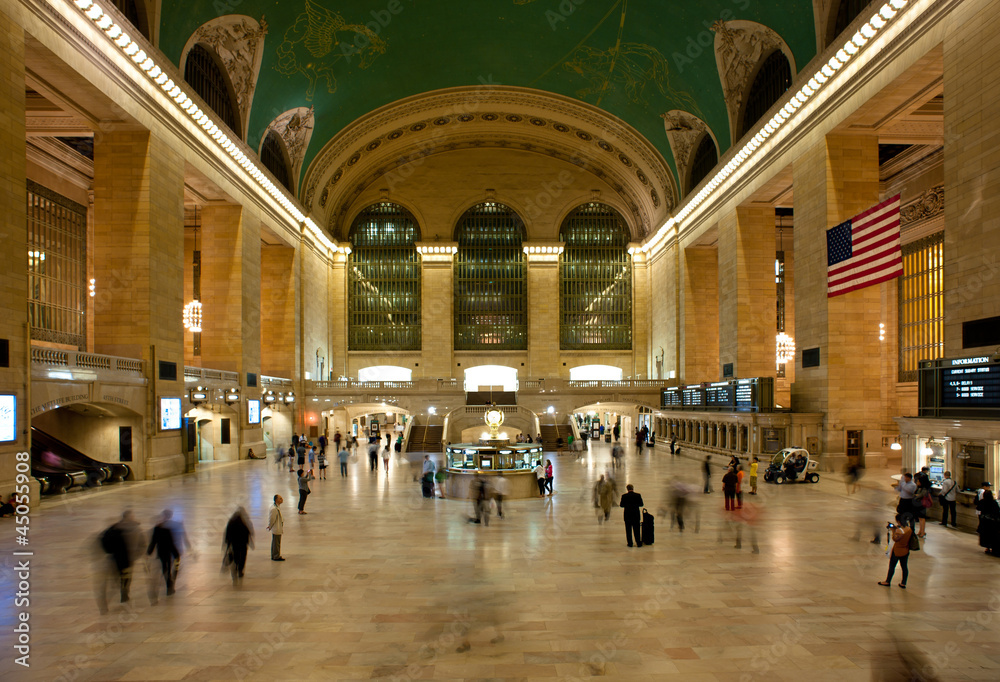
425, 438
552, 432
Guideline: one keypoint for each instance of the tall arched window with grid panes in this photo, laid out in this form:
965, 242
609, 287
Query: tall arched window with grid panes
203, 73
595, 280
921, 304
491, 288
384, 280
770, 83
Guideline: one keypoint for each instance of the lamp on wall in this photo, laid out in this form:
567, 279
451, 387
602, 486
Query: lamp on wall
198, 395
232, 396
289, 397
270, 398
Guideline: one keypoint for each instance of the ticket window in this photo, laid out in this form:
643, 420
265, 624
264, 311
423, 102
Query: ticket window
972, 467
931, 454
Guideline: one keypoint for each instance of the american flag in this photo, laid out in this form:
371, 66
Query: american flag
864, 250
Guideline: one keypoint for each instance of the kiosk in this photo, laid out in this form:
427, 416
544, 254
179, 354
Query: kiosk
489, 458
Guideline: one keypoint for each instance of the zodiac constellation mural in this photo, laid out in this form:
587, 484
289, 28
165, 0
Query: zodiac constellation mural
321, 42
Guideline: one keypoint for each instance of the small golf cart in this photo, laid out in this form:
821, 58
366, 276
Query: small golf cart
792, 465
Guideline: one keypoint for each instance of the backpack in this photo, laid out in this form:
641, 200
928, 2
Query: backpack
111, 539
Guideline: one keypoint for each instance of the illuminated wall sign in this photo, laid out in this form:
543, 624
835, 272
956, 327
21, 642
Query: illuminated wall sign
8, 418
738, 395
170, 414
959, 387
253, 412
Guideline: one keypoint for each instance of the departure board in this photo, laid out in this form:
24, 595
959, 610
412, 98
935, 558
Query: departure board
737, 395
959, 387
670, 397
971, 386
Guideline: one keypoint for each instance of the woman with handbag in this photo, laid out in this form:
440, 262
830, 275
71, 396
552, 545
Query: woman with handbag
900, 551
922, 500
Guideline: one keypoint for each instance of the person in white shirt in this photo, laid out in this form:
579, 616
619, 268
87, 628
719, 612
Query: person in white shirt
947, 498
540, 475
276, 524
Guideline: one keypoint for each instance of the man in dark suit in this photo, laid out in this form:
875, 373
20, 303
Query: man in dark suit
631, 504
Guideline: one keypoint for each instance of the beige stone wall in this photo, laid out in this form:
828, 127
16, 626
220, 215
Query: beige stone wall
971, 171
700, 315
315, 306
833, 182
642, 360
664, 294
13, 282
139, 252
277, 311
746, 292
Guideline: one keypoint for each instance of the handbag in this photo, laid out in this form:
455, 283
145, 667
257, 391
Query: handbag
926, 501
914, 543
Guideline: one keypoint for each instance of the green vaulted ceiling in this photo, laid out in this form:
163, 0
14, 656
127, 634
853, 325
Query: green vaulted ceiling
636, 59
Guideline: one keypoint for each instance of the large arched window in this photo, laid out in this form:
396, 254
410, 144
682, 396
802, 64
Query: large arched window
595, 281
208, 80
773, 79
491, 292
272, 154
704, 160
384, 280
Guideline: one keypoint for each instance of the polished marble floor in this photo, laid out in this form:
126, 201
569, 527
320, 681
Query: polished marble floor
380, 583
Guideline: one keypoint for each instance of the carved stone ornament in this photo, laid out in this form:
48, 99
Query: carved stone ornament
739, 48
238, 40
683, 132
926, 206
295, 127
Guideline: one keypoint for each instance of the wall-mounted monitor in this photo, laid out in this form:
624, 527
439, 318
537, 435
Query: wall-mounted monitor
170, 414
253, 412
8, 418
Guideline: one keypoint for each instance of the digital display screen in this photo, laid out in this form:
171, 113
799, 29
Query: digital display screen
971, 386
253, 412
744, 394
8, 418
670, 397
719, 396
486, 463
693, 396
170, 414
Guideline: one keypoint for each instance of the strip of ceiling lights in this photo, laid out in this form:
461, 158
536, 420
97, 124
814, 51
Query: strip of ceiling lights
882, 18
147, 65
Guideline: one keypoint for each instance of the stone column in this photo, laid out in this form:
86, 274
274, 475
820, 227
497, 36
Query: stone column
700, 317
543, 311
230, 289
15, 371
746, 292
971, 173
139, 267
834, 181
437, 309
642, 361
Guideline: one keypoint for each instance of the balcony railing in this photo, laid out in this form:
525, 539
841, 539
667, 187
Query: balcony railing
53, 357
204, 374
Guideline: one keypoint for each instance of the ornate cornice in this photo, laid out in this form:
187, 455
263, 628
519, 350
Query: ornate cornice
924, 207
491, 116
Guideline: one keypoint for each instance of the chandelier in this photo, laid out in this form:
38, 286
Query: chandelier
784, 346
192, 316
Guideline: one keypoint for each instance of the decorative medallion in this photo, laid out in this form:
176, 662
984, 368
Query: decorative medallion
513, 118
538, 122
586, 137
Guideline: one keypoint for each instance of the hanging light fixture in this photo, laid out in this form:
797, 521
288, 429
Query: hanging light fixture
192, 316
784, 347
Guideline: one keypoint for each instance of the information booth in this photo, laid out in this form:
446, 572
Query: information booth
491, 457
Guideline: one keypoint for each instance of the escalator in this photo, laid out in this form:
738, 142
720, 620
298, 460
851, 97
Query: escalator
59, 467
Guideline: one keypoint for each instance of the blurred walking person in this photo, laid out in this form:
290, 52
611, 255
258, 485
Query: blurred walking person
707, 472
122, 543
605, 491
163, 541
501, 488
238, 536
729, 482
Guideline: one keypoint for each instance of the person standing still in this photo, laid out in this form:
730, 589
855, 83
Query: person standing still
276, 524
947, 498
300, 453
707, 471
342, 456
540, 476
549, 478
906, 488
304, 489
900, 551
729, 483
321, 457
753, 475
631, 504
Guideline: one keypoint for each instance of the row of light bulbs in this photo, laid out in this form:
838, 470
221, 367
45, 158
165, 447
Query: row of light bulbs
851, 48
543, 249
147, 65
437, 249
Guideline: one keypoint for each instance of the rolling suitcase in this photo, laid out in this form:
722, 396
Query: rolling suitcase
648, 530
427, 486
